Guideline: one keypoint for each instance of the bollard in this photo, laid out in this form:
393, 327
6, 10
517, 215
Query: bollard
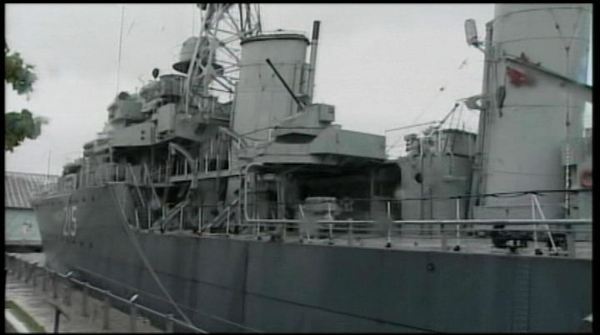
84, 300
105, 311
169, 324
132, 317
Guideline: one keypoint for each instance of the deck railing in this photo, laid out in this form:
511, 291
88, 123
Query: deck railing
346, 221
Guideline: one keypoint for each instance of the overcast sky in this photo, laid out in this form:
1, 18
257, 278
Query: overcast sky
382, 66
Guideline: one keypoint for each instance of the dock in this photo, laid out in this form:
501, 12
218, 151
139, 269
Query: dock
40, 296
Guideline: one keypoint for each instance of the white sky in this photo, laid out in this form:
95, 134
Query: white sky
382, 65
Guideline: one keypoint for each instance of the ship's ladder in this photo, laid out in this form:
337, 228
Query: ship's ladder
163, 221
224, 216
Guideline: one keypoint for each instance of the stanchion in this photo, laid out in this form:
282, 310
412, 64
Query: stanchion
169, 324
54, 286
67, 294
106, 311
84, 300
132, 317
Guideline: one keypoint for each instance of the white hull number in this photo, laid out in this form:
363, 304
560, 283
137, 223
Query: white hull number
70, 226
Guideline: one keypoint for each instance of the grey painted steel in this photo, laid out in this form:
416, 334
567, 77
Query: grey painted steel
267, 286
525, 130
261, 100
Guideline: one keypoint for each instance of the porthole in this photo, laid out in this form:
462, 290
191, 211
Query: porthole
419, 177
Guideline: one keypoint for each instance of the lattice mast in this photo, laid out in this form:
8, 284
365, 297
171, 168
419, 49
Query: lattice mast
214, 66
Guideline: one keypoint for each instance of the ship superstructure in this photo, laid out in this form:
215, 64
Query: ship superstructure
224, 194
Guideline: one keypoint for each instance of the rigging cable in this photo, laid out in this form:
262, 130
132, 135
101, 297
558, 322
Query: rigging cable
148, 266
145, 259
120, 47
440, 90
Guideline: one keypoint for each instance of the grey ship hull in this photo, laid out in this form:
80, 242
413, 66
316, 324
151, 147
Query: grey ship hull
271, 286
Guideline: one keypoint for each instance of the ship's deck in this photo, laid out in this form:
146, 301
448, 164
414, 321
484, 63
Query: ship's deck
469, 244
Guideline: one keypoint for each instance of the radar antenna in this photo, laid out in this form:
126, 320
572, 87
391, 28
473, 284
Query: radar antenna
214, 68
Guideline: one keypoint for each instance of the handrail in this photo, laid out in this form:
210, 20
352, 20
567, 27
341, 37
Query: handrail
129, 302
226, 213
136, 184
175, 210
149, 176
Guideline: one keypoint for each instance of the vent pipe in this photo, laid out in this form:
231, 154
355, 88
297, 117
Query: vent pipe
313, 58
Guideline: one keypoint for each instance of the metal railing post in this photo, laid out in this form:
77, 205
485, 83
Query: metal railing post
457, 246
67, 294
444, 240
84, 299
284, 232
169, 324
330, 227
54, 286
106, 311
132, 317
536, 246
389, 211
350, 233
19, 271
56, 319
33, 278
200, 218
26, 271
227, 222
45, 280
258, 230
543, 217
181, 218
149, 217
137, 219
570, 240
31, 271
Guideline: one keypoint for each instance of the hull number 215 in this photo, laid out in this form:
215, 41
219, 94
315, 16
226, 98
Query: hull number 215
70, 226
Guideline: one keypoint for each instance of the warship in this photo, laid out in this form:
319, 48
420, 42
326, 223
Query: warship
223, 194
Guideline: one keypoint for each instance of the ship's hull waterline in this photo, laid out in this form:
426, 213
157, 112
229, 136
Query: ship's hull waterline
273, 286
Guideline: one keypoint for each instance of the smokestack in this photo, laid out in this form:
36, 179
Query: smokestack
313, 58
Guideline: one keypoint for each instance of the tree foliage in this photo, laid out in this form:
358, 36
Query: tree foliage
17, 73
19, 125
